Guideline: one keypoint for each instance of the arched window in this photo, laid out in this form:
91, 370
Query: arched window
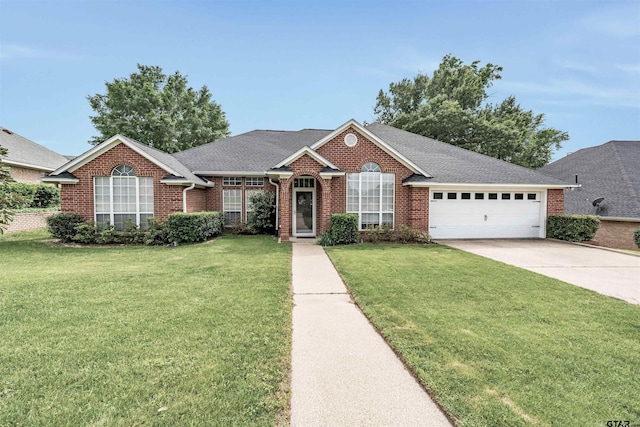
370, 194
123, 197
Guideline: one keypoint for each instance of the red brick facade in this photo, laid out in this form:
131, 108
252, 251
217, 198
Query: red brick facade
616, 234
555, 201
25, 175
79, 197
411, 204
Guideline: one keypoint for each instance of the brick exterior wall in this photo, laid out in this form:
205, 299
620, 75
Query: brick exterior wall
79, 197
27, 176
196, 199
214, 195
616, 234
555, 201
28, 221
331, 193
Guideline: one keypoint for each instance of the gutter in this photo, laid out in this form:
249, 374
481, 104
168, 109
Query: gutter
277, 203
184, 196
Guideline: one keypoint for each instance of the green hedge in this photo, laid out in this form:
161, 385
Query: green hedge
343, 230
194, 227
180, 228
24, 196
572, 228
636, 237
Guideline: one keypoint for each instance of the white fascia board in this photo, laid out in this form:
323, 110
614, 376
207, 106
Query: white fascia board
60, 180
25, 165
377, 141
229, 173
185, 182
618, 218
280, 174
99, 149
325, 175
437, 185
311, 153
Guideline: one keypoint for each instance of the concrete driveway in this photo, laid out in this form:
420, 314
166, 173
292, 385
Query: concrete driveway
609, 273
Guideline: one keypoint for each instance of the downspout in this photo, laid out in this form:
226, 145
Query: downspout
277, 203
184, 197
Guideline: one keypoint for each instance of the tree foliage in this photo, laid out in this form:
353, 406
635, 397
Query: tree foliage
6, 215
158, 110
451, 106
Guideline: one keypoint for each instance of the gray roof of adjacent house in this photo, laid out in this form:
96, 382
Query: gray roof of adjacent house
255, 151
610, 170
26, 153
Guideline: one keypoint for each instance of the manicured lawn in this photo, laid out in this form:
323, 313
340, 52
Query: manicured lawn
497, 345
193, 335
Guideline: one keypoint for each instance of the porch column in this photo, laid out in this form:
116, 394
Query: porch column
285, 209
326, 205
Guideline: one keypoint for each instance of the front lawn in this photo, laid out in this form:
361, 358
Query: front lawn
192, 335
497, 345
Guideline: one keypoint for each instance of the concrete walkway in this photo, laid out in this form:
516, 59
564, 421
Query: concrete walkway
343, 372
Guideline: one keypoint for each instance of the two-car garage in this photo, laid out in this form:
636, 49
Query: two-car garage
486, 213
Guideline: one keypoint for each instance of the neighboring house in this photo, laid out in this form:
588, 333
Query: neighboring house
27, 161
383, 174
609, 179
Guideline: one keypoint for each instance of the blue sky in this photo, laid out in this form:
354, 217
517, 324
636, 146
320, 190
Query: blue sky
297, 64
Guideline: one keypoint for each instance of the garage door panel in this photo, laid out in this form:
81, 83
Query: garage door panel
485, 218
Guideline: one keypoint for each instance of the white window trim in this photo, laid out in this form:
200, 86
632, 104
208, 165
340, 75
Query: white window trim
248, 181
111, 212
380, 211
224, 210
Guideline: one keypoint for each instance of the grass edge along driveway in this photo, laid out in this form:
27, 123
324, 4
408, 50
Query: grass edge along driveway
193, 335
495, 344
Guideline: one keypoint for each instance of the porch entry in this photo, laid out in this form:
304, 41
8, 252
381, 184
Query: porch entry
304, 207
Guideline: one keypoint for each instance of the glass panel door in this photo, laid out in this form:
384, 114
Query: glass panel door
304, 213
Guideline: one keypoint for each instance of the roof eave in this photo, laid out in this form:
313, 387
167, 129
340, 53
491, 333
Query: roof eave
487, 185
26, 165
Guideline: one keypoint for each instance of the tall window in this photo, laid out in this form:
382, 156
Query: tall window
123, 197
232, 206
248, 206
370, 195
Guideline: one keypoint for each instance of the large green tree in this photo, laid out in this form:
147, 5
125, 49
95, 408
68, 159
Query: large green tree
451, 106
158, 110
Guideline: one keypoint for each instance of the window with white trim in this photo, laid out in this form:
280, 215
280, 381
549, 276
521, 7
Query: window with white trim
370, 194
254, 181
123, 197
232, 181
232, 206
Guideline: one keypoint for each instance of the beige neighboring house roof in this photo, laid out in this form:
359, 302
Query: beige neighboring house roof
25, 153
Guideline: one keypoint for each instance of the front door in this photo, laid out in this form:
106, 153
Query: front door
304, 212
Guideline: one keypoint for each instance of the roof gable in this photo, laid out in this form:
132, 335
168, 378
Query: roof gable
375, 140
309, 152
161, 159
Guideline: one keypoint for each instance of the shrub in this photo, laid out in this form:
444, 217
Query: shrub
572, 228
636, 237
18, 195
401, 234
262, 218
194, 227
157, 233
63, 225
343, 230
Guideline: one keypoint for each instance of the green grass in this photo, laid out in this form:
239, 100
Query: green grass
497, 345
110, 335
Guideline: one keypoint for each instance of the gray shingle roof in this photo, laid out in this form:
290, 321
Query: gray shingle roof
255, 151
610, 170
168, 160
450, 164
25, 151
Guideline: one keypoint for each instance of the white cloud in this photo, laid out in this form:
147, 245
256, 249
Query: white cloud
577, 66
630, 68
13, 51
619, 21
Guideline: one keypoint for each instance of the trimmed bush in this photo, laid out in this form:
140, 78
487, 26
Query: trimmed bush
63, 225
572, 228
194, 227
636, 237
401, 234
343, 230
19, 195
262, 218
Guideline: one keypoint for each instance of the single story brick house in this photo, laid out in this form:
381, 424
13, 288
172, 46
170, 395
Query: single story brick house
383, 174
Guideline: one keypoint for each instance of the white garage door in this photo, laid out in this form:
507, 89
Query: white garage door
484, 214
